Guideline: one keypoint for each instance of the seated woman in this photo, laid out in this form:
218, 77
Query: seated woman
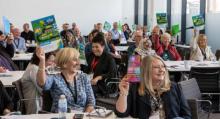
70, 40
30, 88
6, 104
71, 82
199, 48
113, 52
166, 50
144, 48
101, 64
155, 96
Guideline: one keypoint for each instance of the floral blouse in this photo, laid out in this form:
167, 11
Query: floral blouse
84, 93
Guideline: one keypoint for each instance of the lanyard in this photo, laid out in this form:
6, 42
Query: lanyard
68, 86
17, 44
94, 63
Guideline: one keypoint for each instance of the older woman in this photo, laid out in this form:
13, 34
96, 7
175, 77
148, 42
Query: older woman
200, 50
70, 82
154, 96
101, 64
30, 88
144, 48
166, 50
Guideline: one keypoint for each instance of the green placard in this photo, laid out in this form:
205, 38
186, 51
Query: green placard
134, 27
175, 29
107, 26
198, 20
119, 26
47, 34
161, 18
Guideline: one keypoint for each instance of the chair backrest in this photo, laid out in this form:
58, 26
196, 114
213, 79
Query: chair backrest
207, 78
20, 104
190, 89
47, 101
217, 54
191, 92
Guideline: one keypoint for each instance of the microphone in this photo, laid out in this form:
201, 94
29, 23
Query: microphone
191, 27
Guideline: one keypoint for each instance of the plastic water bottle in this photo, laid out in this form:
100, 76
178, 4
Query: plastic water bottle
62, 107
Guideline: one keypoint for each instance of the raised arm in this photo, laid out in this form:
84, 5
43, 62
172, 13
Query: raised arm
193, 42
41, 75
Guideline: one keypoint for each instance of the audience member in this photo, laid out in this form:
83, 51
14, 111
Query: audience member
115, 34
19, 42
138, 35
166, 50
6, 104
101, 64
155, 96
199, 48
7, 52
27, 34
144, 48
30, 88
71, 82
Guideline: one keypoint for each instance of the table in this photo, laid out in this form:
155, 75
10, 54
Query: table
179, 66
22, 57
9, 77
121, 48
52, 116
182, 46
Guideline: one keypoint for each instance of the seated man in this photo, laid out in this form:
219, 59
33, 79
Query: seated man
7, 52
19, 42
6, 104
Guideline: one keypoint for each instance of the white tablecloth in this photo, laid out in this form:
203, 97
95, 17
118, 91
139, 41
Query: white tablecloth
9, 77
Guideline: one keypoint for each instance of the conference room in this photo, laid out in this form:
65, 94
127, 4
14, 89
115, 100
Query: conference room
79, 59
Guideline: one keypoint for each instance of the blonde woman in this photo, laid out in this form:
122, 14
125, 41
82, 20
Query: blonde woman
199, 48
70, 82
155, 96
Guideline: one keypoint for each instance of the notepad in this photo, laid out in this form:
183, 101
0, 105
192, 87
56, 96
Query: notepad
102, 113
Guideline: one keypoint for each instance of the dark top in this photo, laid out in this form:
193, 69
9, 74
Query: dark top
6, 53
63, 33
28, 35
104, 67
5, 100
138, 106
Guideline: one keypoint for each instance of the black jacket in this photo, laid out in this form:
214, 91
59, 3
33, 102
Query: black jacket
175, 104
8, 52
5, 100
105, 67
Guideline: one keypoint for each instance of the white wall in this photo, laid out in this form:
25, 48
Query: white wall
84, 12
128, 12
212, 30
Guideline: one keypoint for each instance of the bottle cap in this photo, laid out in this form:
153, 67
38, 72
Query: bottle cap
62, 96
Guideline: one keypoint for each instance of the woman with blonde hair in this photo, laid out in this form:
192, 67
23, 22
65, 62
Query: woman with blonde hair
199, 48
71, 82
154, 96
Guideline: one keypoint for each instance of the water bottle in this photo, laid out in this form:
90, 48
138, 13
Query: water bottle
62, 107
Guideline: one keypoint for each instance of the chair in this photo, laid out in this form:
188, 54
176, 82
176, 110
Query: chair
207, 77
21, 99
193, 95
217, 54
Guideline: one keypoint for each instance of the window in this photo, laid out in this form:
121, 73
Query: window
213, 6
193, 6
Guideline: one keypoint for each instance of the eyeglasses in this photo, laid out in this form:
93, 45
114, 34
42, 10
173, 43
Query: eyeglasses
159, 67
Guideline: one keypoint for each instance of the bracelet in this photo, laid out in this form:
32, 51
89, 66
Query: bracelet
123, 94
41, 69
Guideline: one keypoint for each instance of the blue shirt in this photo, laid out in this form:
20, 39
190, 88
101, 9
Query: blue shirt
57, 86
19, 44
115, 34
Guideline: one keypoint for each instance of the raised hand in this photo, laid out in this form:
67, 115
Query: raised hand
40, 53
124, 85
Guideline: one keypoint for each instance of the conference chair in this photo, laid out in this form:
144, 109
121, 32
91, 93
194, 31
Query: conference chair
193, 95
